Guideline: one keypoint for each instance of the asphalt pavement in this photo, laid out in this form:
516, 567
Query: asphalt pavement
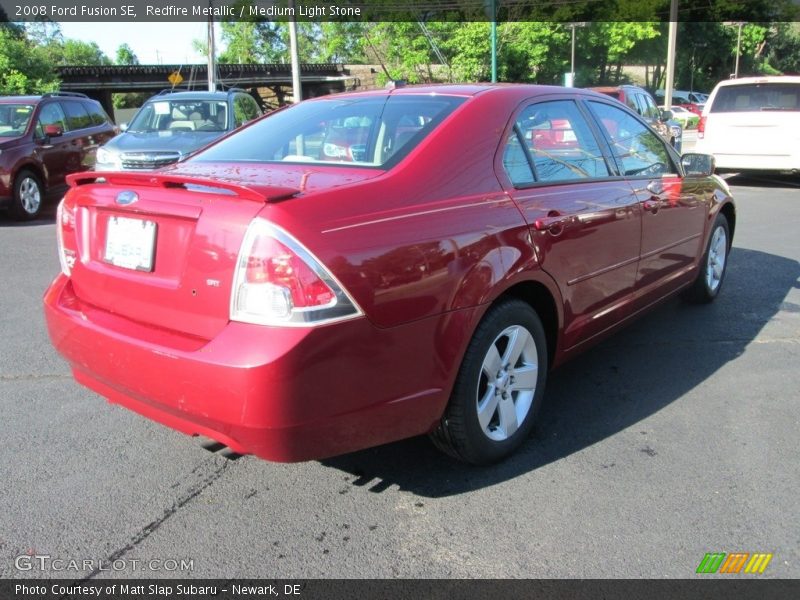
676, 438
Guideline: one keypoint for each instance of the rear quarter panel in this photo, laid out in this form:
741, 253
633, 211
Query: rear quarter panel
436, 233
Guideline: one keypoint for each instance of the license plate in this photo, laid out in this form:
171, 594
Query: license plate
130, 243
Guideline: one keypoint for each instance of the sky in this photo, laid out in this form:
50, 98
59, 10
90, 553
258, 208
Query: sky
153, 43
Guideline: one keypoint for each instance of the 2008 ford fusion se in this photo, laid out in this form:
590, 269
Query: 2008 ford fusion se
367, 267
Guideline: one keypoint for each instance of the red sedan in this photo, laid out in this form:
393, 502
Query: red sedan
362, 268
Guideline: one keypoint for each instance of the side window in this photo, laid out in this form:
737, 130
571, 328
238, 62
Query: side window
650, 109
638, 150
50, 114
97, 115
77, 117
244, 109
631, 101
515, 162
560, 142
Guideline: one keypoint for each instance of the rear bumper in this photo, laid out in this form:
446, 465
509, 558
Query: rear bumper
283, 394
749, 162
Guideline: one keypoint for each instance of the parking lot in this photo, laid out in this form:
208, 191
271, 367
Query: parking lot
675, 438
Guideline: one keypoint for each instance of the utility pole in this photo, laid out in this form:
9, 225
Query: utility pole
297, 91
490, 9
738, 49
571, 81
212, 68
494, 41
671, 42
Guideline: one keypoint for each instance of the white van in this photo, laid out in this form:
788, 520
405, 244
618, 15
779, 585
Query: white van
753, 123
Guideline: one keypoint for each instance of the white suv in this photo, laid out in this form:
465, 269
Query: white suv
753, 123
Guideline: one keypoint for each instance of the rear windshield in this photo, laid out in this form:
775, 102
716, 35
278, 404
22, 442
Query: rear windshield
756, 97
366, 131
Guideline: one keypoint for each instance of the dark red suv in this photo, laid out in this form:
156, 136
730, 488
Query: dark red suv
42, 140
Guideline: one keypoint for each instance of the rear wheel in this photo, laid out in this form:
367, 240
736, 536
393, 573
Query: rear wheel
28, 195
714, 264
499, 386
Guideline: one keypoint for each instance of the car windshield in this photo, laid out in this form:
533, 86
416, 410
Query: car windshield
757, 97
14, 119
372, 131
176, 116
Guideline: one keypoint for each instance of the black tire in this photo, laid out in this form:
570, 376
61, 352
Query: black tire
26, 203
510, 397
713, 265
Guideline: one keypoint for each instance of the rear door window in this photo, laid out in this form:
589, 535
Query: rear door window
556, 142
77, 117
757, 97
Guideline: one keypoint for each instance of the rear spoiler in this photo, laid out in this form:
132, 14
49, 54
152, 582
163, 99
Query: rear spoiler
165, 180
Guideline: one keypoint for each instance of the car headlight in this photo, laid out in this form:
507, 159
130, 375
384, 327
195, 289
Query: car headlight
106, 156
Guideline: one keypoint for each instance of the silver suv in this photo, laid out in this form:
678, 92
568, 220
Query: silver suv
172, 125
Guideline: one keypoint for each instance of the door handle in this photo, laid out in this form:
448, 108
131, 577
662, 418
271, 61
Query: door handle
656, 191
554, 223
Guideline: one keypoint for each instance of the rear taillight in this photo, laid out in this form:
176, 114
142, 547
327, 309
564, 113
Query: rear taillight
279, 282
65, 234
701, 128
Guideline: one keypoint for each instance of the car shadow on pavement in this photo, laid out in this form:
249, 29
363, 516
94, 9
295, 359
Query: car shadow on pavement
608, 389
47, 216
764, 180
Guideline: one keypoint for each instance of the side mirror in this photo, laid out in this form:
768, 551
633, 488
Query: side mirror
53, 130
123, 127
698, 164
666, 115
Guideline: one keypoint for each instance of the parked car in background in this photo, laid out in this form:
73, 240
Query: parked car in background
686, 118
691, 101
173, 124
362, 268
642, 102
753, 123
42, 140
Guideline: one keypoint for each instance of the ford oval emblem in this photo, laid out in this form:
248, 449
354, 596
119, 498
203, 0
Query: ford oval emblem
127, 197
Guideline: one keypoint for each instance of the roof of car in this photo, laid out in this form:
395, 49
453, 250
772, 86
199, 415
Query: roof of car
761, 79
614, 88
466, 90
193, 95
17, 99
54, 95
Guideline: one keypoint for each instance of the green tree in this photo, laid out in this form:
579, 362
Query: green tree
783, 48
77, 52
126, 55
23, 70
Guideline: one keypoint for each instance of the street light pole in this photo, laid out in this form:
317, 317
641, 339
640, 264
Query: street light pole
671, 42
572, 61
738, 47
297, 90
571, 80
494, 40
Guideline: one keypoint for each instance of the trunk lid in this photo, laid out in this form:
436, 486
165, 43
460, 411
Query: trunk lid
159, 248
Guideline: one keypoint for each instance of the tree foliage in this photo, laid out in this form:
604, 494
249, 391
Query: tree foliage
23, 68
126, 55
